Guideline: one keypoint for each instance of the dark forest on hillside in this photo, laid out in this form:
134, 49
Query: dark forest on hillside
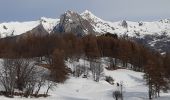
58, 48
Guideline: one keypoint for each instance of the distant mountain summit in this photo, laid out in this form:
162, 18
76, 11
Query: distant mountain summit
155, 35
72, 22
18, 28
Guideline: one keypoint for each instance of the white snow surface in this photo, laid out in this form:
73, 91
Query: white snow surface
17, 28
49, 23
87, 89
133, 29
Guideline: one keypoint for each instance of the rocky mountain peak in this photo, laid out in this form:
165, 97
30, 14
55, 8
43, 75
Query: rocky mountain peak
87, 13
73, 22
70, 13
90, 16
165, 20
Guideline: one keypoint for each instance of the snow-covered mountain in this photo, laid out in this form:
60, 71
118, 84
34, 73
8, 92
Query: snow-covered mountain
18, 28
138, 29
70, 19
154, 34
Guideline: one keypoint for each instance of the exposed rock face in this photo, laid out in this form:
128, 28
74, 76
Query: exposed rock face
124, 24
71, 22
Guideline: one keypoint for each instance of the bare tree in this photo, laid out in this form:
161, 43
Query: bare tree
50, 85
7, 79
97, 69
79, 70
40, 84
21, 74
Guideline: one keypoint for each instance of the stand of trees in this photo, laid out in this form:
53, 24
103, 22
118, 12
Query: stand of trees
90, 47
58, 48
22, 75
156, 74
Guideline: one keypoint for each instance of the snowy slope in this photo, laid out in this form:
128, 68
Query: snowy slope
17, 28
49, 23
133, 28
134, 87
86, 89
130, 78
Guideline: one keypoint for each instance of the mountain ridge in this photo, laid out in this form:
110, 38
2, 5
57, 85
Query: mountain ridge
100, 25
155, 35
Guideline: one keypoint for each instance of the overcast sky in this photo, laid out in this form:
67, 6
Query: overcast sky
112, 10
